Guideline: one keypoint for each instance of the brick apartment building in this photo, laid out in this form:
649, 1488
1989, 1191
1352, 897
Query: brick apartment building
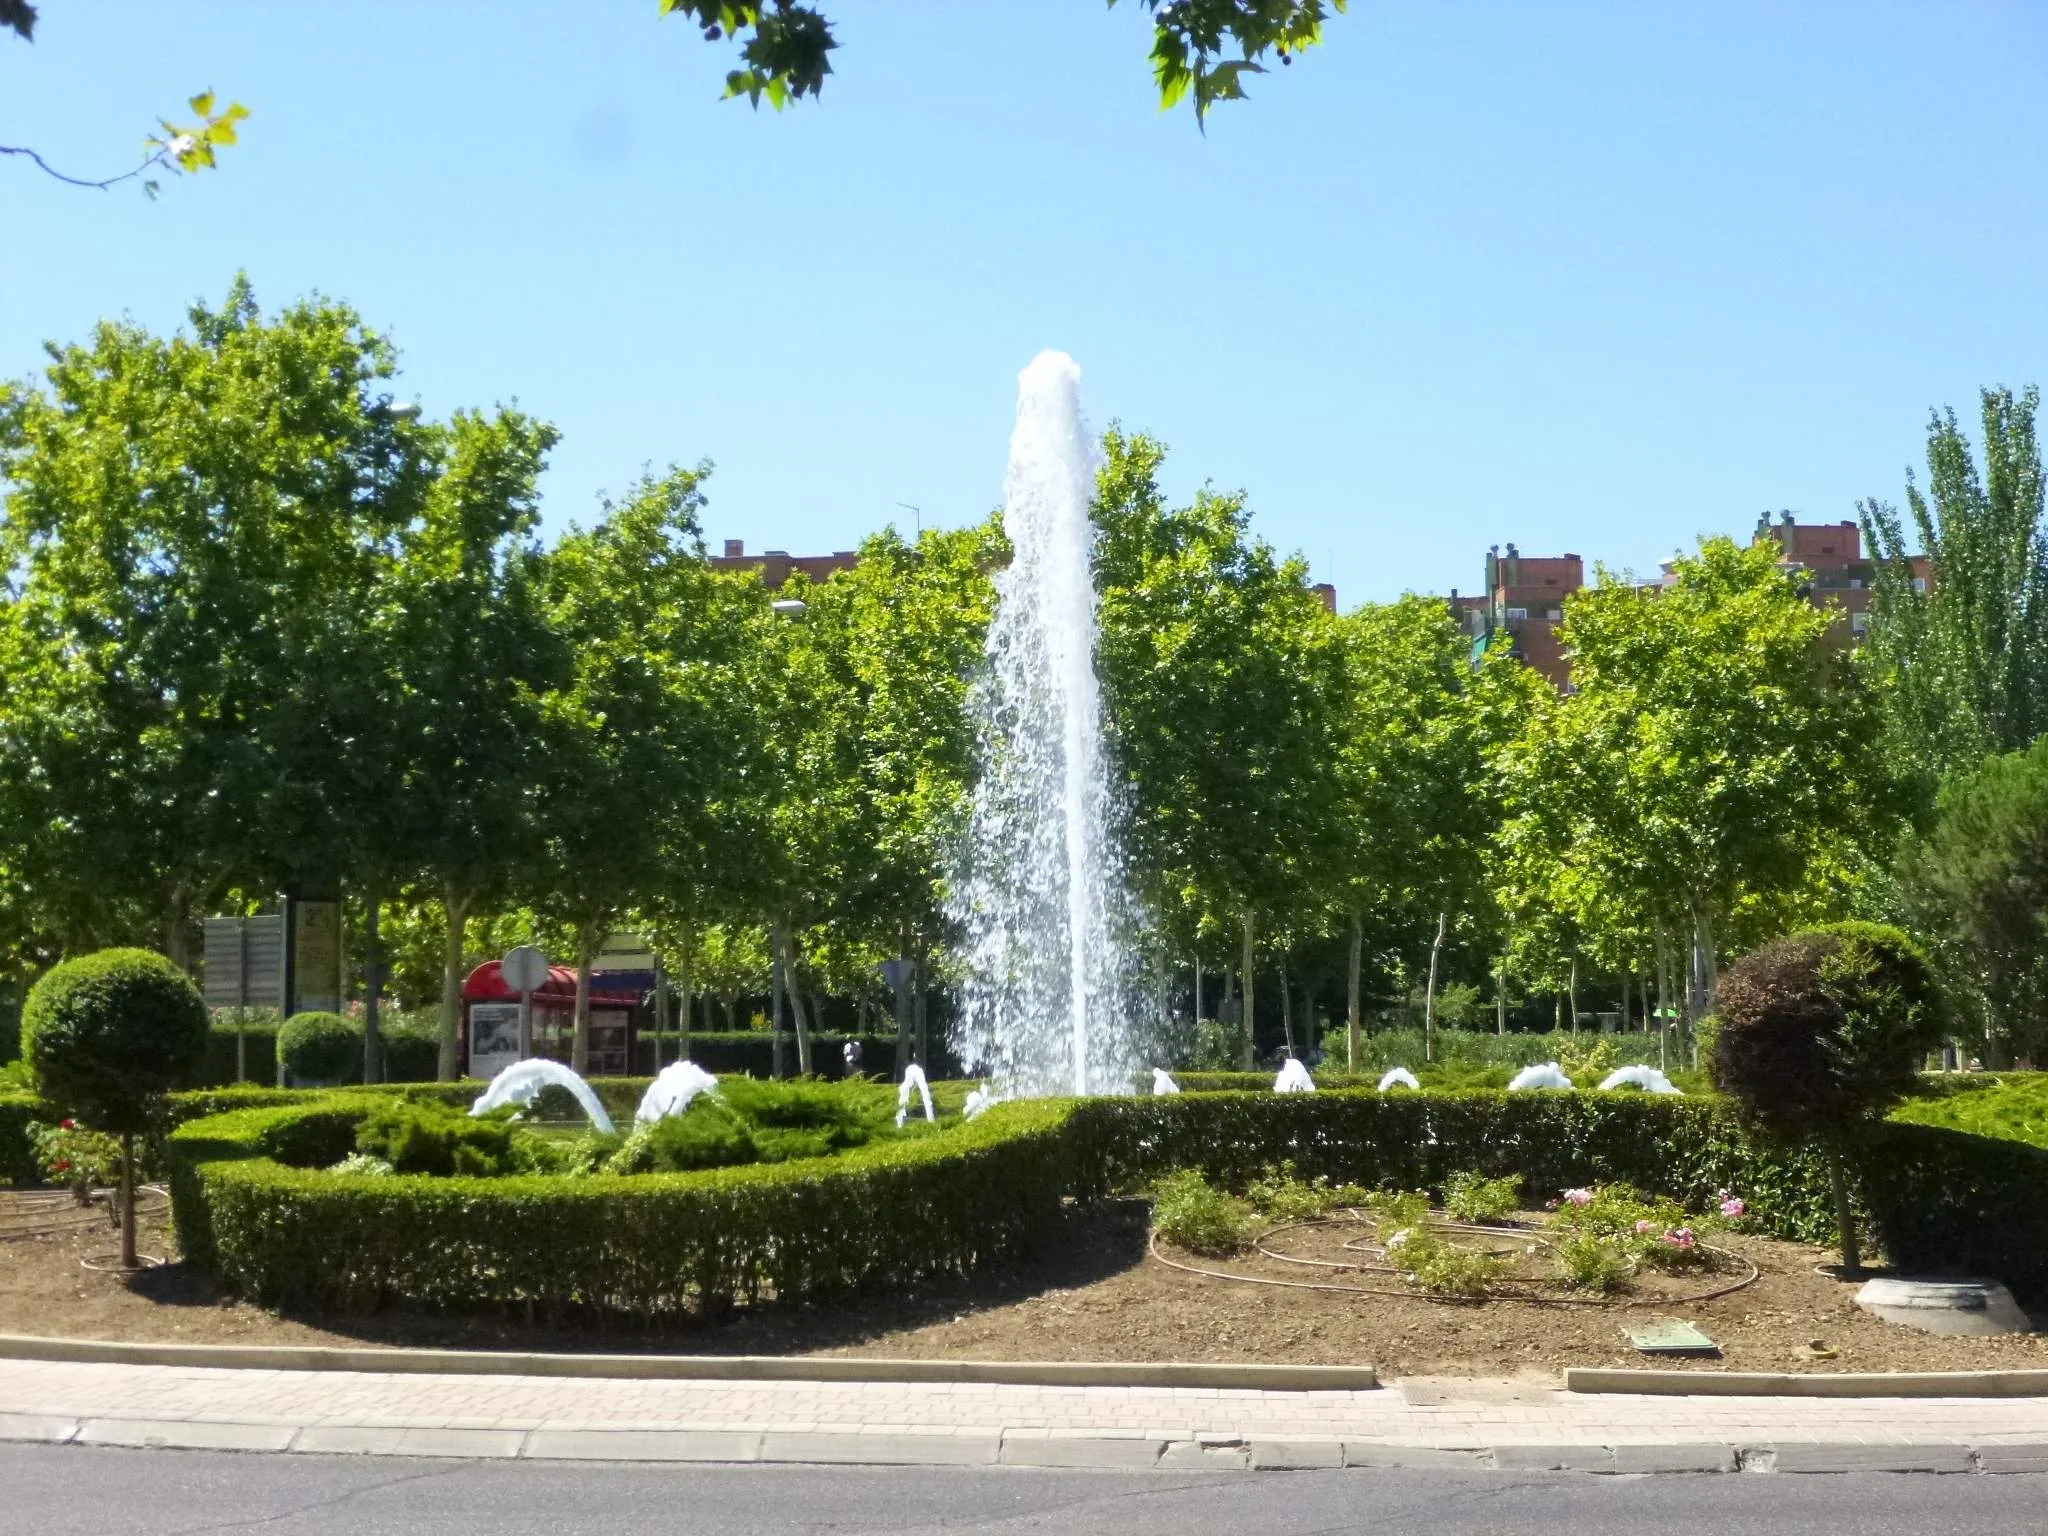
1523, 601
777, 565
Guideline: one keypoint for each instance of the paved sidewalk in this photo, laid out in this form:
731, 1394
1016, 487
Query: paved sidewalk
1412, 1423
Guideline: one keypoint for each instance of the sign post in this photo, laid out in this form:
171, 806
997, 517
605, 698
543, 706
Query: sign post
525, 970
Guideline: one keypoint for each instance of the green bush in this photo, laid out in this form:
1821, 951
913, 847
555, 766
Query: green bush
109, 1034
434, 1139
1475, 1198
1193, 1214
2012, 1105
888, 1214
321, 1049
708, 1135
895, 1211
1817, 1033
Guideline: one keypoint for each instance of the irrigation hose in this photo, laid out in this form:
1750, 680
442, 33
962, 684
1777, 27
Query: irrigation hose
1610, 1303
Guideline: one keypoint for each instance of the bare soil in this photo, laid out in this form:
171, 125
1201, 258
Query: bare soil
1093, 1295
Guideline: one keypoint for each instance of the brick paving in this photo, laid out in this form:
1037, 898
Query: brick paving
1499, 1424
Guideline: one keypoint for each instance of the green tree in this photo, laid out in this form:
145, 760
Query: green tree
1964, 655
1711, 761
1977, 886
194, 525
1819, 1033
470, 651
637, 721
785, 45
1420, 796
107, 1036
1223, 680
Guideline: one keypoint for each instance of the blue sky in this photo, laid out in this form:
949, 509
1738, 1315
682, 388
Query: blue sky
1594, 277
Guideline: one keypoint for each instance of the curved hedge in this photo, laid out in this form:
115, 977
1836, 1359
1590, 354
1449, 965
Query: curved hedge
887, 1214
898, 1212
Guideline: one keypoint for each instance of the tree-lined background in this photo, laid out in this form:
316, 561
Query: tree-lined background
264, 628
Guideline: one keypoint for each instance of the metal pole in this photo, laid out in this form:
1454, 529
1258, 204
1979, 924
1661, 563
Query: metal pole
242, 1002
373, 1039
525, 1026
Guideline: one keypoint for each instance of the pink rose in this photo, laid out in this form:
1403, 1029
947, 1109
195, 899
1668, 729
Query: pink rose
1645, 1228
1578, 1196
1732, 1208
1681, 1238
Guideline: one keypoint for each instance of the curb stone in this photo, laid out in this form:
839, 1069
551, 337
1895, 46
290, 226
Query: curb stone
1581, 1378
836, 1368
1016, 1448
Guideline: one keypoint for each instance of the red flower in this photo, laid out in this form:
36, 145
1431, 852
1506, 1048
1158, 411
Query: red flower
67, 1125
62, 1165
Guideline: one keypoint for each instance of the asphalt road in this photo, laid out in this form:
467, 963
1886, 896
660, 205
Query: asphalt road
81, 1491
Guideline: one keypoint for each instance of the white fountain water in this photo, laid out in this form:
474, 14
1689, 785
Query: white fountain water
1545, 1074
1162, 1082
1048, 1001
520, 1082
1398, 1077
1642, 1076
1293, 1077
673, 1090
913, 1077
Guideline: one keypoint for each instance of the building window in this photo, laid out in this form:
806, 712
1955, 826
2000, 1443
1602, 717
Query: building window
1855, 583
1555, 614
1858, 623
1919, 583
1518, 613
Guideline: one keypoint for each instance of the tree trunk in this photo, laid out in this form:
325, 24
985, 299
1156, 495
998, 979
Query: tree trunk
683, 998
373, 988
1248, 1052
1436, 950
785, 946
1198, 992
1500, 995
1845, 1213
452, 954
778, 1061
1572, 993
919, 1014
1354, 999
1286, 1007
1663, 1004
579, 1049
129, 1258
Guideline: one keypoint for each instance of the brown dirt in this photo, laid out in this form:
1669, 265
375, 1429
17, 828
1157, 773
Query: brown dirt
1093, 1296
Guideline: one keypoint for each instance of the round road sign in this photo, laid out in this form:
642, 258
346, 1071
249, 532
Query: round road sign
524, 969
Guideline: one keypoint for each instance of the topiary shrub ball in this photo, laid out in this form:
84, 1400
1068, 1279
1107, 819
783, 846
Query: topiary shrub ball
320, 1048
1824, 1028
108, 1034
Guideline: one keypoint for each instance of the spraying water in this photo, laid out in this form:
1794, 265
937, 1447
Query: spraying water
913, 1078
673, 1090
1293, 1078
521, 1082
1047, 1004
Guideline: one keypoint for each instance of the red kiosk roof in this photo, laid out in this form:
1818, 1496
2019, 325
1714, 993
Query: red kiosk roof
486, 985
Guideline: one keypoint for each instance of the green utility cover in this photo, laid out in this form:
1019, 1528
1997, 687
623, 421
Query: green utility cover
1670, 1336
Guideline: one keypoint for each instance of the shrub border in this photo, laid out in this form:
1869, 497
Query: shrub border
647, 1245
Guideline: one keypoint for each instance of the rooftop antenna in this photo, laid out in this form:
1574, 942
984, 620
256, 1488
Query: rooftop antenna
919, 511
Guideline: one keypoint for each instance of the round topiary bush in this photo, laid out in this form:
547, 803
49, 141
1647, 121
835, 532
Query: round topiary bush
1818, 1033
321, 1049
107, 1036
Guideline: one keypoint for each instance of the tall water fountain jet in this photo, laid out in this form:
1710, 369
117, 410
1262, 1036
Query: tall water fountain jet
1048, 998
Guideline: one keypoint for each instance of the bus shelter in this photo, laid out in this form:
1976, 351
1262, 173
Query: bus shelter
490, 1022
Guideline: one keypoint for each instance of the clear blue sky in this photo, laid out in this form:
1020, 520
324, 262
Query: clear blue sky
1594, 277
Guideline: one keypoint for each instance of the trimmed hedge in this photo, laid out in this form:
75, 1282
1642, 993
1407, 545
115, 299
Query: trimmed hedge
891, 1213
894, 1213
17, 1147
1684, 1147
